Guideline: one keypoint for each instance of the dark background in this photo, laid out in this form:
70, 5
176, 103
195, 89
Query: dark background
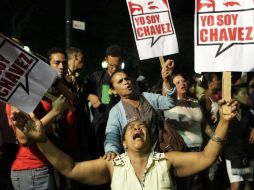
41, 25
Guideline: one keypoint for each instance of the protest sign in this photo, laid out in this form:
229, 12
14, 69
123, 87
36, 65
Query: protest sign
224, 35
153, 28
24, 78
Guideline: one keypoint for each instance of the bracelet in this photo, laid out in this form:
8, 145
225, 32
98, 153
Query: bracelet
165, 88
218, 140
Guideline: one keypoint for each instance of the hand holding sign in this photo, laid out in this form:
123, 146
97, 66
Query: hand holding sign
62, 89
167, 69
60, 104
170, 65
233, 107
166, 74
56, 101
33, 127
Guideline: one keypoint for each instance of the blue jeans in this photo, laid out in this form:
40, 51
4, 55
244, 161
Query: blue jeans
34, 179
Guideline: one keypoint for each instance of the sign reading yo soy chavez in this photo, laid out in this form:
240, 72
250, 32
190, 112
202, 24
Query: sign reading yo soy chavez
24, 78
224, 35
153, 28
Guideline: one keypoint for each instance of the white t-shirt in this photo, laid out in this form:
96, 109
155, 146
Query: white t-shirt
186, 118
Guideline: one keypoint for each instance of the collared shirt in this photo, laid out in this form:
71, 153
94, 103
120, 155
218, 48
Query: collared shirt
156, 175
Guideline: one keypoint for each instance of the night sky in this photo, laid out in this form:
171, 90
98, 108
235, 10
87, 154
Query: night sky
41, 25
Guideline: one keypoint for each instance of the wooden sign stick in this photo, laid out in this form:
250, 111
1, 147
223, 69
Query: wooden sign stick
226, 91
162, 61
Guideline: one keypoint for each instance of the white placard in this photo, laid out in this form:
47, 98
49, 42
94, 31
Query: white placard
24, 78
153, 28
224, 35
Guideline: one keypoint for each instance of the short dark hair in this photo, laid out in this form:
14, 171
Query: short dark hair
56, 50
112, 75
114, 51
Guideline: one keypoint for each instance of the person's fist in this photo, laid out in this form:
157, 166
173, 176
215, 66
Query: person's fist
170, 64
167, 69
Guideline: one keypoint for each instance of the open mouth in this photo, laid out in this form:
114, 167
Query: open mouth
138, 136
129, 87
183, 88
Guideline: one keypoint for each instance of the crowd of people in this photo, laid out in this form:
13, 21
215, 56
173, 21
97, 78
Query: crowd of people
106, 131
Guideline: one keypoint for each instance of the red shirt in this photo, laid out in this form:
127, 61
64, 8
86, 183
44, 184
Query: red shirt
30, 157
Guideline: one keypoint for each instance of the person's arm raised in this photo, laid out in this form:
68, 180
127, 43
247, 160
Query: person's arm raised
166, 74
189, 163
94, 172
58, 106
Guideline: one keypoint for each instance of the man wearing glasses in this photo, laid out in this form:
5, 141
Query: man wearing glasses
99, 95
